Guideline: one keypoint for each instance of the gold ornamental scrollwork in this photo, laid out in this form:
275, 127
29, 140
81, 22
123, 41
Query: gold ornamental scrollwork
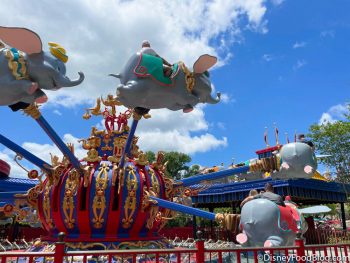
130, 201
70, 190
56, 175
46, 204
99, 202
155, 182
154, 191
33, 195
169, 188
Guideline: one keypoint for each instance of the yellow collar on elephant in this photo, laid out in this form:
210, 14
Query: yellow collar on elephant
58, 51
189, 77
16, 63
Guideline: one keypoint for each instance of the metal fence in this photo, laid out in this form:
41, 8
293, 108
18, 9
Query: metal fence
198, 254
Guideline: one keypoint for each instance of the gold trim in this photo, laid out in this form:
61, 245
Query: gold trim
169, 188
18, 158
33, 195
33, 111
99, 202
92, 156
130, 201
141, 159
189, 77
138, 244
87, 173
46, 204
70, 190
14, 65
81, 245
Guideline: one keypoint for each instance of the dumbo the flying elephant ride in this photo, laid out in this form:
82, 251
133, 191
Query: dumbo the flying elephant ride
114, 193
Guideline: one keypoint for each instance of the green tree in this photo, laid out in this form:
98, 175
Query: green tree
334, 138
151, 156
177, 162
193, 170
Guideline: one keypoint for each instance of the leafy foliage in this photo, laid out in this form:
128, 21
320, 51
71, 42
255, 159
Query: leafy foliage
151, 157
177, 162
177, 166
334, 139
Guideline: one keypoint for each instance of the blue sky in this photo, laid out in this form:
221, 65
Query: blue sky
283, 62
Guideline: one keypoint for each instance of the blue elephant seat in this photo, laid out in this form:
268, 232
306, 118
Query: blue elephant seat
152, 66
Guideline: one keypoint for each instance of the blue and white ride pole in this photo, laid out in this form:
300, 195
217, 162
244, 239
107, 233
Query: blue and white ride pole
34, 112
196, 179
183, 208
27, 155
128, 142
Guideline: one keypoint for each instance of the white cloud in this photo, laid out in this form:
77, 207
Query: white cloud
174, 130
267, 57
226, 98
300, 63
57, 112
333, 114
221, 125
99, 36
175, 141
299, 44
328, 33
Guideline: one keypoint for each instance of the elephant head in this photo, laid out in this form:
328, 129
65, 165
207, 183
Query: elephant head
263, 223
298, 160
41, 70
49, 71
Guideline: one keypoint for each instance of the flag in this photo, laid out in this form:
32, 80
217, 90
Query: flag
265, 137
276, 134
287, 138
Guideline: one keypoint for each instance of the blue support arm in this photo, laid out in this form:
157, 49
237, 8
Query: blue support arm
34, 112
183, 209
128, 142
27, 155
59, 143
196, 179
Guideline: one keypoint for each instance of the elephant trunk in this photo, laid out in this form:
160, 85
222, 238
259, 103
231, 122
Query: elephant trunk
211, 100
63, 81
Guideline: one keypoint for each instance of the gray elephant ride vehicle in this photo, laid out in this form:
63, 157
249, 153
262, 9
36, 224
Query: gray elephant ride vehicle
146, 83
25, 69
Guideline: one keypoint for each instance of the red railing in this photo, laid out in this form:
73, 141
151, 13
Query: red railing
199, 254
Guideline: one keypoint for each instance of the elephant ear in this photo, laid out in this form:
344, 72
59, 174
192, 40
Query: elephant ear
22, 39
203, 63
